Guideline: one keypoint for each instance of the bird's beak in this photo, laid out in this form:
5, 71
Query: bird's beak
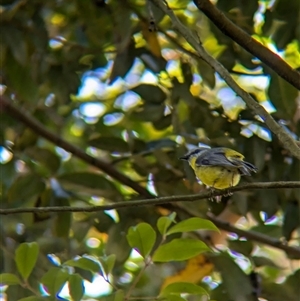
185, 157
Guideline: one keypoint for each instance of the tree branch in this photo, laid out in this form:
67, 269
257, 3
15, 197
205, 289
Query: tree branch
287, 141
154, 201
238, 35
258, 237
40, 129
294, 251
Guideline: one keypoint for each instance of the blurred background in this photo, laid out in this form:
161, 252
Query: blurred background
116, 80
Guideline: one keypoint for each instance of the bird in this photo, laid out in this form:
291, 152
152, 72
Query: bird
218, 168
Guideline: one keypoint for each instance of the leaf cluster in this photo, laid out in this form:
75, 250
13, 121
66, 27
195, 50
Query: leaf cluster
93, 74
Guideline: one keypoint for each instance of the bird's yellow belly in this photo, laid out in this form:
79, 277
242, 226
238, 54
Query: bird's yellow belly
218, 177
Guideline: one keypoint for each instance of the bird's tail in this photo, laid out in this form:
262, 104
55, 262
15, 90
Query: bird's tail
245, 168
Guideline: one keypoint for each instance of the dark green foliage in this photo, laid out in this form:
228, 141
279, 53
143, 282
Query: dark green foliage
147, 102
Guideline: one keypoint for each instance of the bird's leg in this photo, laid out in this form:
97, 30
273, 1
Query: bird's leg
228, 192
212, 198
211, 192
218, 198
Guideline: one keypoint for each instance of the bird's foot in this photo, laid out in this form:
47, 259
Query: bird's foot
228, 192
225, 192
216, 198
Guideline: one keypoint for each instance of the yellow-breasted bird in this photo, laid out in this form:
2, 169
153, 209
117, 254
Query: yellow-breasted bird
219, 167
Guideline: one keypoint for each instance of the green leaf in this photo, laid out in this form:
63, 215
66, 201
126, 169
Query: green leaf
33, 298
103, 222
84, 263
161, 143
274, 231
173, 298
62, 220
291, 219
142, 237
227, 58
244, 247
152, 62
26, 257
187, 73
181, 91
80, 230
183, 288
179, 249
238, 285
163, 122
279, 292
20, 80
164, 222
260, 261
90, 183
150, 93
76, 287
292, 283
86, 275
9, 279
192, 224
112, 144
119, 295
15, 38
220, 293
107, 263
123, 62
207, 73
54, 280
117, 242
45, 157
25, 187
283, 96
148, 112
62, 224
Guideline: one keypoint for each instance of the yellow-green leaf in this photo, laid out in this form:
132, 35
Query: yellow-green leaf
142, 237
8, 279
179, 249
26, 257
76, 287
193, 224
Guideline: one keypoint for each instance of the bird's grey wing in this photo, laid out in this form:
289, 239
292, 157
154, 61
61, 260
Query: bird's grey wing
215, 159
219, 159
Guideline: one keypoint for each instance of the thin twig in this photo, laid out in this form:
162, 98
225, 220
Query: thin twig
137, 279
255, 236
147, 262
258, 237
153, 201
287, 141
26, 285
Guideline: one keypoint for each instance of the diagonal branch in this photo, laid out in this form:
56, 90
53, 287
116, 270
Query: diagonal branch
293, 251
238, 35
258, 237
40, 129
287, 141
